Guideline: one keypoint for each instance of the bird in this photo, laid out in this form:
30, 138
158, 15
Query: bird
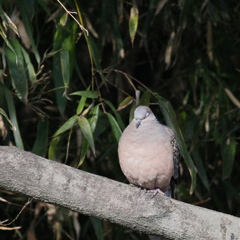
149, 154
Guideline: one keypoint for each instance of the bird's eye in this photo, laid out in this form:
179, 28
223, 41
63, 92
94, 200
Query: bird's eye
147, 114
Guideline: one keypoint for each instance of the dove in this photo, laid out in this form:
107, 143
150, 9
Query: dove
149, 153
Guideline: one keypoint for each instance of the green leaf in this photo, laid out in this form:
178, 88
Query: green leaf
17, 69
119, 120
65, 68
41, 142
94, 114
64, 41
26, 14
126, 101
201, 170
4, 36
13, 118
133, 23
228, 155
30, 68
66, 126
9, 121
52, 150
64, 19
145, 99
171, 120
86, 131
115, 127
98, 228
7, 21
94, 55
86, 94
84, 149
81, 105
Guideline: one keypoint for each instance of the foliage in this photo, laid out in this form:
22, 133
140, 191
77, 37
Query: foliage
72, 71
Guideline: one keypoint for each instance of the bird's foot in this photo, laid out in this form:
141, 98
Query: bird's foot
156, 191
142, 189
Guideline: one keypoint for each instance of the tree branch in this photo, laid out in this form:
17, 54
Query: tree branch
97, 196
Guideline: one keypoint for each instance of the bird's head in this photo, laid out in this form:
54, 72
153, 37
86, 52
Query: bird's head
143, 113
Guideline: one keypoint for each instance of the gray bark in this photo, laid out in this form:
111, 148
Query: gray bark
52, 182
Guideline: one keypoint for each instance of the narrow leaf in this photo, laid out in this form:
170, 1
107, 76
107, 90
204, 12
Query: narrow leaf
84, 149
133, 23
4, 36
66, 126
17, 69
119, 120
30, 68
86, 131
13, 118
98, 228
7, 20
7, 118
201, 170
115, 127
65, 68
87, 94
127, 101
171, 121
145, 99
81, 105
94, 114
52, 150
41, 142
228, 155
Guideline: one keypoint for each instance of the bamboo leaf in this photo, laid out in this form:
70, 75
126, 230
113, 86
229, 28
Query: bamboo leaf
7, 118
94, 114
4, 36
29, 67
41, 142
65, 68
7, 21
115, 127
98, 228
13, 118
84, 149
81, 105
66, 126
119, 120
86, 94
145, 99
26, 13
126, 101
52, 150
171, 121
201, 170
133, 23
86, 131
228, 155
17, 69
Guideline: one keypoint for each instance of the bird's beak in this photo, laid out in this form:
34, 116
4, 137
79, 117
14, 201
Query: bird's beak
138, 123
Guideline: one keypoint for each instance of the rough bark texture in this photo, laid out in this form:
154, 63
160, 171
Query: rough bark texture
97, 196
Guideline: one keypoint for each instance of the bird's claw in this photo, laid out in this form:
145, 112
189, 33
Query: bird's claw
156, 191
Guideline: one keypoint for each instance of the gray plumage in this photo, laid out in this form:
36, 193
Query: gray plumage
149, 154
